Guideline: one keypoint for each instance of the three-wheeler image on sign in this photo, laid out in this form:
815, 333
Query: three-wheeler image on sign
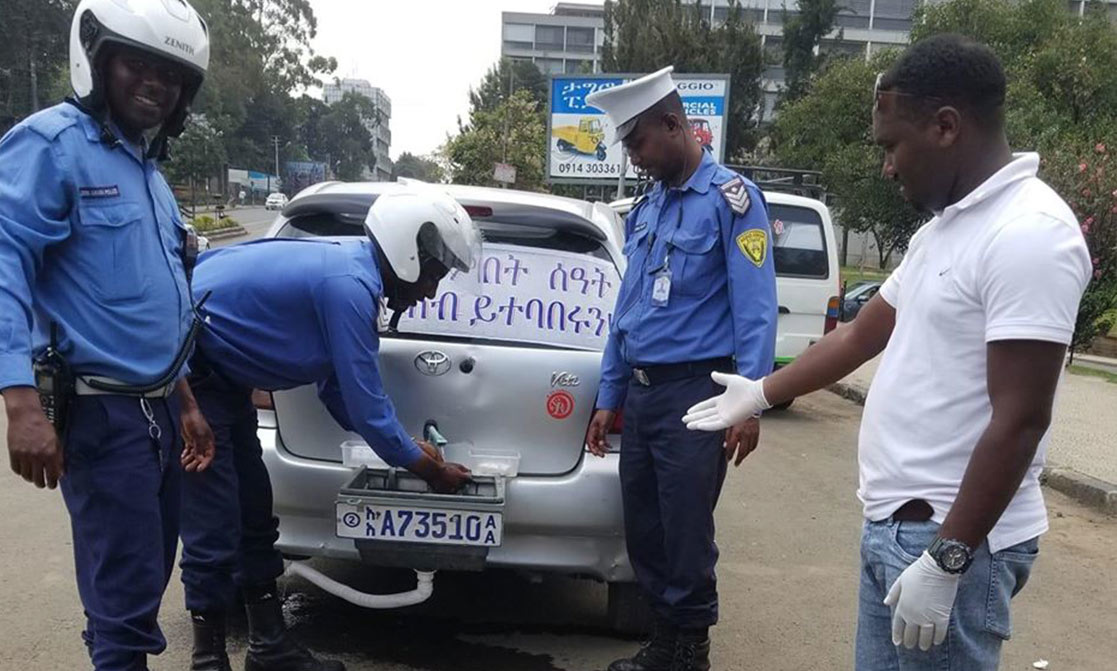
579, 150
588, 137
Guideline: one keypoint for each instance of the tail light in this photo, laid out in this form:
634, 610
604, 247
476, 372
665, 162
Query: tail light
262, 400
618, 424
832, 311
479, 211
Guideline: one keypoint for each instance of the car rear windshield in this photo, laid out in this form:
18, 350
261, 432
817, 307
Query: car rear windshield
799, 243
534, 285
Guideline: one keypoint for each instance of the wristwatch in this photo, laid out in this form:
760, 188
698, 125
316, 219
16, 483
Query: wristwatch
952, 556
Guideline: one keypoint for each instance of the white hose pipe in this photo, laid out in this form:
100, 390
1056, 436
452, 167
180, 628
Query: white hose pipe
423, 589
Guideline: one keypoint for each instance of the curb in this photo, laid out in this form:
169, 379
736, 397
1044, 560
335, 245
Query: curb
223, 233
1083, 488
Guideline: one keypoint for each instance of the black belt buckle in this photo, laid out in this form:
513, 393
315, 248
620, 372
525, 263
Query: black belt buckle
641, 376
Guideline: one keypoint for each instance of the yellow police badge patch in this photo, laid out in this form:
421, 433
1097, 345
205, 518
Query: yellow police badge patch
754, 245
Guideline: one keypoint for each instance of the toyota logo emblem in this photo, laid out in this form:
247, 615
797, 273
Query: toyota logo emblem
432, 363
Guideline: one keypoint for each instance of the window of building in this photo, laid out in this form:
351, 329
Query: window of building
773, 51
854, 14
508, 44
775, 73
580, 39
842, 48
553, 66
519, 32
550, 37
777, 15
575, 66
893, 15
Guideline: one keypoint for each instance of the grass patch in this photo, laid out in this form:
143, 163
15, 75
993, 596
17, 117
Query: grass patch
204, 223
1094, 372
853, 274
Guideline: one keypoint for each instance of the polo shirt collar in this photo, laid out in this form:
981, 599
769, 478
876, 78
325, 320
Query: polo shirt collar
1022, 166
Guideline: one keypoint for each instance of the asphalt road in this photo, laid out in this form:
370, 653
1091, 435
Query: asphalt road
788, 529
255, 220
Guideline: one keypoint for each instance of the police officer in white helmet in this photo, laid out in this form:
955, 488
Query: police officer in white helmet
285, 313
96, 313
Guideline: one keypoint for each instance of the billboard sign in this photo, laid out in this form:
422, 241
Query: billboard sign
577, 151
300, 174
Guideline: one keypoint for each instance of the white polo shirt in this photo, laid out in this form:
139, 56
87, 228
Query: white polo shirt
1007, 262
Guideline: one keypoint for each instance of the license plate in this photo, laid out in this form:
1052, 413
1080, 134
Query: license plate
419, 525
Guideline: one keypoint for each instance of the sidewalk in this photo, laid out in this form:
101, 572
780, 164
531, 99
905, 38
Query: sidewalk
1082, 456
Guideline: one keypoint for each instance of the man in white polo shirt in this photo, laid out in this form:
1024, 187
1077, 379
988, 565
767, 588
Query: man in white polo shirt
974, 326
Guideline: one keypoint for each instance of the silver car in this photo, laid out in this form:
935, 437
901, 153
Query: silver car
524, 401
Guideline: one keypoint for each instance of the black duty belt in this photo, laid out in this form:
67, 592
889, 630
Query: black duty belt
650, 376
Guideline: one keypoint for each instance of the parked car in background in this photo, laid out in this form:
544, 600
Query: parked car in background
506, 372
856, 297
275, 201
806, 257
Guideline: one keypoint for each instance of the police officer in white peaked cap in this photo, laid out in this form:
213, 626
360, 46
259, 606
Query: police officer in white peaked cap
623, 104
698, 297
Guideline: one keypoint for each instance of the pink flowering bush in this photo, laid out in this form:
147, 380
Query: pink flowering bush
1086, 176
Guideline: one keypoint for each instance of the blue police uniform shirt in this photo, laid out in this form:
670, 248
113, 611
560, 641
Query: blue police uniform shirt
722, 300
285, 313
90, 239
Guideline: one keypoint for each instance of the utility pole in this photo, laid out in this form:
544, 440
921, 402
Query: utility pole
511, 84
620, 179
275, 140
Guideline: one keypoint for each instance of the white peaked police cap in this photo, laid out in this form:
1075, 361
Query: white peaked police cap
624, 104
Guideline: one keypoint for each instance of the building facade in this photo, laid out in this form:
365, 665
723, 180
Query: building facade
569, 39
379, 128
566, 41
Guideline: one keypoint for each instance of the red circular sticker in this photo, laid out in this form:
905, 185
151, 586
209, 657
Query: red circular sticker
560, 405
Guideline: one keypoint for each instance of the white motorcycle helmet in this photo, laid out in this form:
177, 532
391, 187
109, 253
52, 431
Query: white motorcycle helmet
171, 29
416, 220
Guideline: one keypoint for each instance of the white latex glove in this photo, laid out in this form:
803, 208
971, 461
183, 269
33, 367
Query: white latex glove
921, 599
743, 399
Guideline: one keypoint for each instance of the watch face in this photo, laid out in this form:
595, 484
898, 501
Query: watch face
954, 557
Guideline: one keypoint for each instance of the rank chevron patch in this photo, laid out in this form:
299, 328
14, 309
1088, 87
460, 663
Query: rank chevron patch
736, 194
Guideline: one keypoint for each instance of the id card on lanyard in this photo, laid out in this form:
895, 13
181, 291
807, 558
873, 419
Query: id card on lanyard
661, 286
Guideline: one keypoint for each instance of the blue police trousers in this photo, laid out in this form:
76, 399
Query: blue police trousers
228, 529
121, 488
670, 481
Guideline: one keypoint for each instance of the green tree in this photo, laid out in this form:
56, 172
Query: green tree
802, 34
504, 79
512, 133
347, 144
260, 56
1062, 101
417, 167
196, 155
34, 35
842, 149
646, 35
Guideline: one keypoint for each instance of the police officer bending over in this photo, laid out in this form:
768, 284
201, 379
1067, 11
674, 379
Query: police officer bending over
699, 295
93, 290
286, 313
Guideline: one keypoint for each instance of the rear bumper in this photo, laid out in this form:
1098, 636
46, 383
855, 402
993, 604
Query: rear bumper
570, 524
